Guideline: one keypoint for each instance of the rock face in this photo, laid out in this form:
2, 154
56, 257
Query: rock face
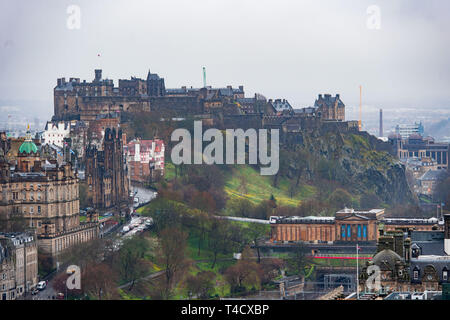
358, 161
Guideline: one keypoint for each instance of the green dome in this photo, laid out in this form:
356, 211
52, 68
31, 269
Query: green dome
28, 147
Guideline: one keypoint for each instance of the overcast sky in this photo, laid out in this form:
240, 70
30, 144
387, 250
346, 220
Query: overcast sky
289, 49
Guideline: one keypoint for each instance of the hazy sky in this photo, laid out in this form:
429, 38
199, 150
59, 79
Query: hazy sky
283, 49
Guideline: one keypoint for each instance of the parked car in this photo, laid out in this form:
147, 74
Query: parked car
60, 296
34, 291
41, 285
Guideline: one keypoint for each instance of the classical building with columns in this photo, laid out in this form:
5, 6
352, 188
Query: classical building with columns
42, 195
348, 225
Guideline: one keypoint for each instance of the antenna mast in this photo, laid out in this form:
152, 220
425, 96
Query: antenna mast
204, 77
360, 108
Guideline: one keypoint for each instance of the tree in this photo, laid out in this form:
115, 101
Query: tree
203, 221
201, 284
59, 284
131, 264
242, 207
220, 238
269, 269
98, 280
370, 201
299, 259
340, 198
172, 257
84, 253
244, 272
257, 231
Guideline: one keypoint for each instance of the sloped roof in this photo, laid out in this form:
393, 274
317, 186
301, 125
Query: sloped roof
433, 175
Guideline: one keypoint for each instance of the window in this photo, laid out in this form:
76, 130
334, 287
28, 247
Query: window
343, 231
39, 209
365, 231
349, 231
416, 274
359, 231
445, 275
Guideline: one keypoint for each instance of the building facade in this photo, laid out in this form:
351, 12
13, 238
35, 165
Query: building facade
18, 264
55, 132
405, 130
347, 225
106, 174
330, 108
145, 158
415, 261
43, 195
418, 147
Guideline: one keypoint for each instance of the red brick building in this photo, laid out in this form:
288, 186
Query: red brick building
145, 159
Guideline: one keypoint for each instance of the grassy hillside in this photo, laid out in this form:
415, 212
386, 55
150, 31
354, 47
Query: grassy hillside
244, 182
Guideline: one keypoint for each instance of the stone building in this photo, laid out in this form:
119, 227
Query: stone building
414, 261
106, 174
145, 158
45, 196
347, 225
155, 85
418, 147
330, 108
76, 100
18, 264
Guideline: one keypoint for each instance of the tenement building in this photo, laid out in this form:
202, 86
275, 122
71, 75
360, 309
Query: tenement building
18, 264
43, 195
145, 159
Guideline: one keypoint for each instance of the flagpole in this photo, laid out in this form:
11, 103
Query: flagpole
357, 272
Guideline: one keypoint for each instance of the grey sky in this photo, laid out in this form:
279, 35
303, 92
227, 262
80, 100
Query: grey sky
283, 49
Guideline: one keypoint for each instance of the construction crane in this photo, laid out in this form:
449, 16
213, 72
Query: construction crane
360, 108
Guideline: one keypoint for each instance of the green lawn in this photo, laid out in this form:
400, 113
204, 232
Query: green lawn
258, 188
169, 171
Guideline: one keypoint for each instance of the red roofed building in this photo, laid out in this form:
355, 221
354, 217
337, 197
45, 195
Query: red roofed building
145, 158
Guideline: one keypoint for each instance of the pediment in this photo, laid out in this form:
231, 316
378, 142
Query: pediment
354, 217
